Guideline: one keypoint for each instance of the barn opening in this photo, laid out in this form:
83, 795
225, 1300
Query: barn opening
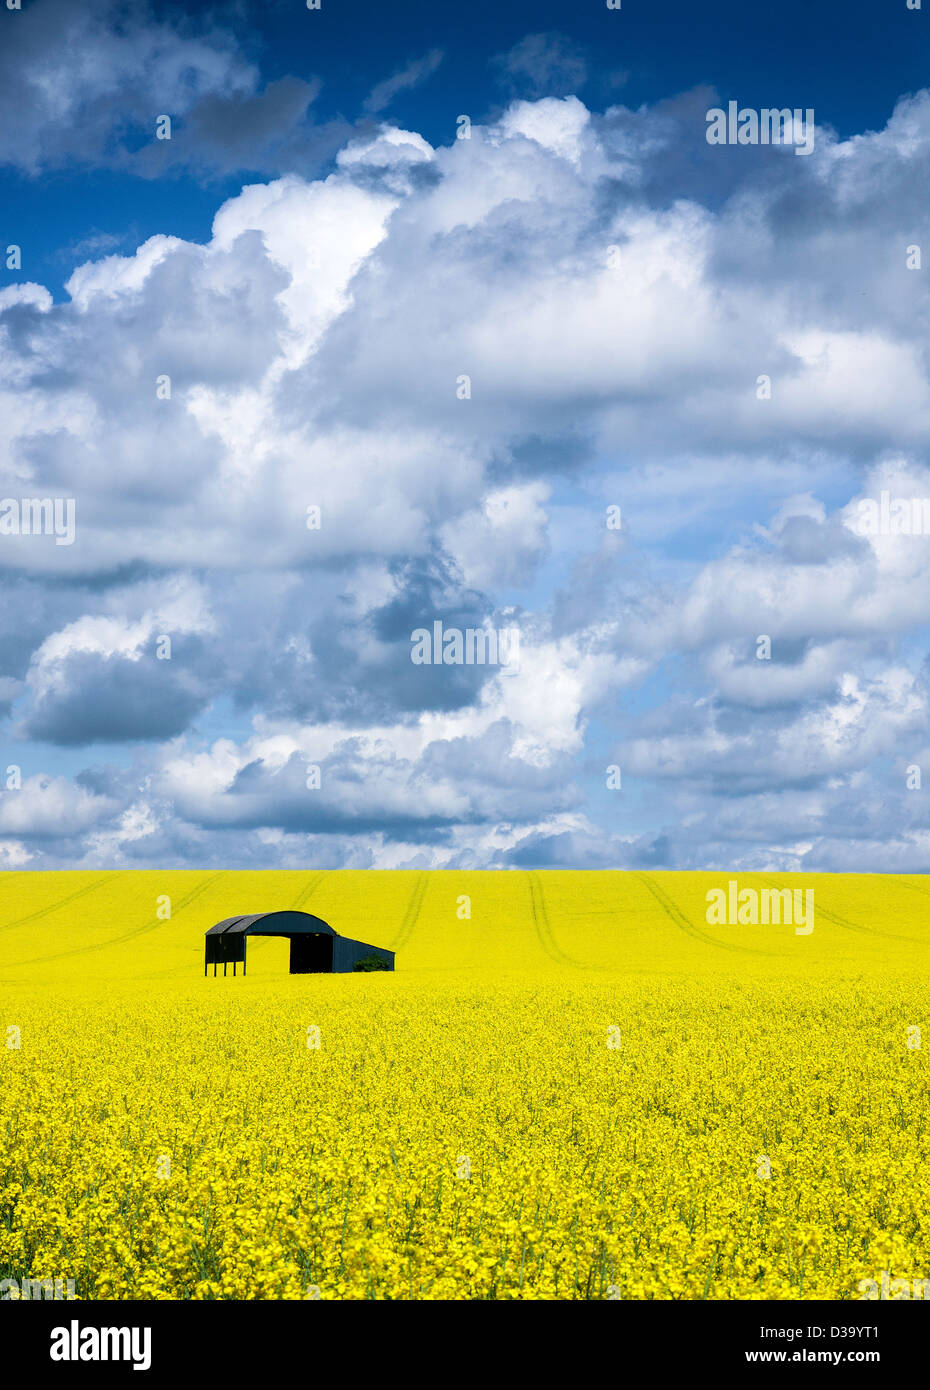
269, 955
311, 954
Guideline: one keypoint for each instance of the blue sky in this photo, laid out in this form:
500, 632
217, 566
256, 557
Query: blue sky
314, 262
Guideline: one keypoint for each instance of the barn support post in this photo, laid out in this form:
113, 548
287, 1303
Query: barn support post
224, 970
234, 969
214, 970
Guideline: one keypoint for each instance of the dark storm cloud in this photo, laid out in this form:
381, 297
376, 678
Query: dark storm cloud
112, 699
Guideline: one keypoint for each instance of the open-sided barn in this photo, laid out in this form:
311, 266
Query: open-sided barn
315, 946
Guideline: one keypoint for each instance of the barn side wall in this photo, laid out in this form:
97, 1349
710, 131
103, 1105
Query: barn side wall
346, 952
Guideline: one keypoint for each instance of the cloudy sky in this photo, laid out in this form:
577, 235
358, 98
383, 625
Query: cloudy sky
466, 284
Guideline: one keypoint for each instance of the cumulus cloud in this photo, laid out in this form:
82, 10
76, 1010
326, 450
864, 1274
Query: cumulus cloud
49, 808
409, 391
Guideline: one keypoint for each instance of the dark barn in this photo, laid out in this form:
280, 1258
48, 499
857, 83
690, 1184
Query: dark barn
315, 947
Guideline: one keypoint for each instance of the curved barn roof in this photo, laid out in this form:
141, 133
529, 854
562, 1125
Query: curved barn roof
273, 924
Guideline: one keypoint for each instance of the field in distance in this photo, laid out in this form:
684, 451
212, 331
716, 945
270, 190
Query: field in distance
85, 928
574, 1086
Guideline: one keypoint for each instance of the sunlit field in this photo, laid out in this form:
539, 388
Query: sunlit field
581, 1091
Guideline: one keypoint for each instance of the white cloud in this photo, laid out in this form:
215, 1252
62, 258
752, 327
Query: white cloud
50, 808
556, 124
613, 332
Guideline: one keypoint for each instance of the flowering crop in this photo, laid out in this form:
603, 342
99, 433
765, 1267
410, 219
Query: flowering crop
580, 1090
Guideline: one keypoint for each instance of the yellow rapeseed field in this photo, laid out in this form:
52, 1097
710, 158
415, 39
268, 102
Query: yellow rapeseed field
580, 1091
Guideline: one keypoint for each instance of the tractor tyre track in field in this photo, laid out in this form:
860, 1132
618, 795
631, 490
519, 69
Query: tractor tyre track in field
682, 922
865, 931
129, 935
307, 890
913, 888
543, 927
924, 892
62, 902
413, 911
845, 923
